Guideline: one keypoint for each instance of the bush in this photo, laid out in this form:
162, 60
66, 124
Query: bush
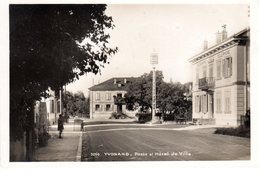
115, 115
144, 117
240, 131
168, 117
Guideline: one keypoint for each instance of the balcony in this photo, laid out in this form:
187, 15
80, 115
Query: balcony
119, 100
206, 83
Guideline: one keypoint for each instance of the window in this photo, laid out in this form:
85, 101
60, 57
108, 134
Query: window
218, 102
119, 95
227, 67
108, 107
197, 104
204, 103
197, 76
211, 70
227, 102
97, 96
52, 106
219, 69
108, 96
204, 71
97, 108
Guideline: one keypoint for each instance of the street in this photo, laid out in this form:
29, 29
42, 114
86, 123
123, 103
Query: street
160, 142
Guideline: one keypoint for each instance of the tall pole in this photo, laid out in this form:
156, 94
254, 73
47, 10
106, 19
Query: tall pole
154, 96
154, 62
92, 101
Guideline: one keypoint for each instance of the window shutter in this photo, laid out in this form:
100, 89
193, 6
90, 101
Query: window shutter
206, 104
203, 104
223, 67
197, 76
200, 99
196, 104
219, 69
230, 66
229, 105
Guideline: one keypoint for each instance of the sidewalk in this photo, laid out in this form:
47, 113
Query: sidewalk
66, 149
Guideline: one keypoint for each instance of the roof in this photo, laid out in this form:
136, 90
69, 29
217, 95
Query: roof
113, 84
235, 37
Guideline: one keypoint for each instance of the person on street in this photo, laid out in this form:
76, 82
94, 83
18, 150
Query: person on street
60, 125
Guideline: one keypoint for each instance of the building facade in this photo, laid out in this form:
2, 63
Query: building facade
53, 106
104, 97
221, 80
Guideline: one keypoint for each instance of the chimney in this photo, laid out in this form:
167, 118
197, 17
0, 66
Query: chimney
114, 81
224, 32
205, 45
218, 37
125, 80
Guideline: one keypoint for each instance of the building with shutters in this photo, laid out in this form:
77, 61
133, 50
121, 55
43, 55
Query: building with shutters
104, 97
221, 80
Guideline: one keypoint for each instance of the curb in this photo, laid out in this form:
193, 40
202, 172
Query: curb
78, 156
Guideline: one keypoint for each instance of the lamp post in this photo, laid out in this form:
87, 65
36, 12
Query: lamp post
154, 62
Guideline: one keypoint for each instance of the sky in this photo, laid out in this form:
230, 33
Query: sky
176, 32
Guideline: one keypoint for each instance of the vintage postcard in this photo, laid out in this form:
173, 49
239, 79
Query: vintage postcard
131, 82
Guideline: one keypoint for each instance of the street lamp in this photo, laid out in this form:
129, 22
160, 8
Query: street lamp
154, 62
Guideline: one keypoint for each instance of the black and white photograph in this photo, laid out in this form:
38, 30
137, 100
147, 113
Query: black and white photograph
129, 82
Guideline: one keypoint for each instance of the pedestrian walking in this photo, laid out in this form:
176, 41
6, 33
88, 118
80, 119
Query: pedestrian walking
60, 125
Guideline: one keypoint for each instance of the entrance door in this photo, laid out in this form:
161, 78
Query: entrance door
119, 108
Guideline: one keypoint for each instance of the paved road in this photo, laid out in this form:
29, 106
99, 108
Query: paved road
143, 143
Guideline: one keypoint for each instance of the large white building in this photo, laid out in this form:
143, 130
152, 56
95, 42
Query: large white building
221, 82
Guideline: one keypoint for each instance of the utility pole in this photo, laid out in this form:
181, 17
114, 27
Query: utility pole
154, 62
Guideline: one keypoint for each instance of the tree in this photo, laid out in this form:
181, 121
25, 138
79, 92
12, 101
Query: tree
68, 103
80, 103
140, 91
50, 46
170, 98
76, 104
87, 103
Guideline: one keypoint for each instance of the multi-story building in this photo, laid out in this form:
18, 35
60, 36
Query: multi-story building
221, 82
104, 97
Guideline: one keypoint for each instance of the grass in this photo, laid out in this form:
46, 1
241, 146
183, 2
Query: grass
240, 131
